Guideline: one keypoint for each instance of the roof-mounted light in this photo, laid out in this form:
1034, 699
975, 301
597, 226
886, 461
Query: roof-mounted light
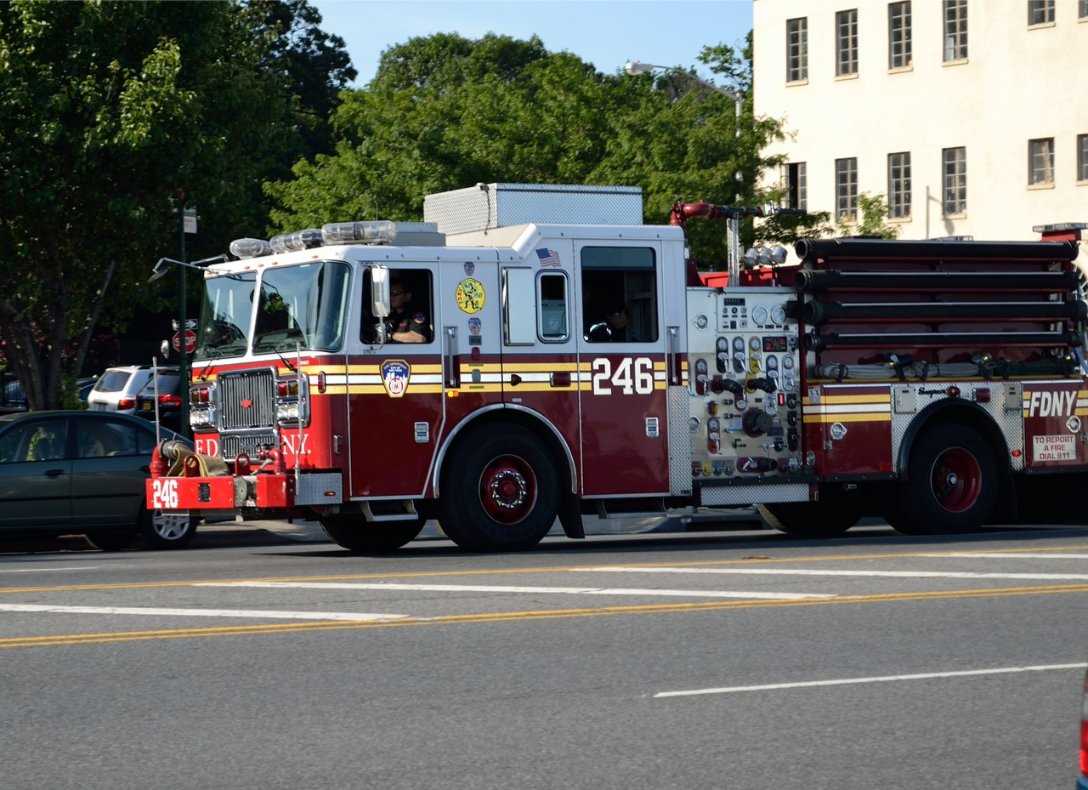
250, 248
382, 231
297, 241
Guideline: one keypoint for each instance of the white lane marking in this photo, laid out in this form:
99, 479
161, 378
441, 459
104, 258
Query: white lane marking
65, 568
487, 588
979, 555
878, 679
161, 612
822, 572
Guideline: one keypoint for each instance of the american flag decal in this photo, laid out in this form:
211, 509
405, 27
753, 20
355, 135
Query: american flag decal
548, 257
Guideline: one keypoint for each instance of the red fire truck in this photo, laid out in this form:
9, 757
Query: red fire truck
536, 352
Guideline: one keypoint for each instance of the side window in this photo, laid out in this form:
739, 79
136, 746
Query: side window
619, 295
35, 441
411, 302
105, 439
551, 289
145, 441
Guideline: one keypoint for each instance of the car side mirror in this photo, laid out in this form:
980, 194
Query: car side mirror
164, 349
379, 291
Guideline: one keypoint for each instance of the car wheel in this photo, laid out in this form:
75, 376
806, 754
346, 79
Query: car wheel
166, 530
360, 537
502, 493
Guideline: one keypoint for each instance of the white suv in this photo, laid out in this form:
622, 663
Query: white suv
117, 388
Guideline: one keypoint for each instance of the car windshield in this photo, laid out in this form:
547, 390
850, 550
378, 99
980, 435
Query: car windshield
224, 316
168, 382
112, 381
303, 305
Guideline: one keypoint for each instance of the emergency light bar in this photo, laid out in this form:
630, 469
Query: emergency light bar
297, 241
250, 248
383, 231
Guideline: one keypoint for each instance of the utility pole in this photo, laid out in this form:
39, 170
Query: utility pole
186, 224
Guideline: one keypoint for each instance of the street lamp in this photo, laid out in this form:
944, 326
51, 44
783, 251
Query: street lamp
637, 68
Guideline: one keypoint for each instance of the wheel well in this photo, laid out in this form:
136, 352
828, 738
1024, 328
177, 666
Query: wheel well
961, 413
517, 420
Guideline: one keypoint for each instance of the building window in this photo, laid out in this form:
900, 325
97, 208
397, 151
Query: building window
796, 177
797, 49
1041, 161
1082, 9
846, 42
955, 30
1041, 12
954, 170
899, 35
1082, 157
899, 185
846, 189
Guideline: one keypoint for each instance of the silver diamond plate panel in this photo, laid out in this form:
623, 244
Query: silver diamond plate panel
320, 489
500, 205
1008, 420
679, 402
749, 495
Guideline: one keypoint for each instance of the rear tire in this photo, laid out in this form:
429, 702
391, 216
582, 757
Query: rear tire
953, 483
501, 492
824, 519
164, 531
360, 537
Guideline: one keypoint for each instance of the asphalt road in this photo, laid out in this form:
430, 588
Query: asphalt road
710, 660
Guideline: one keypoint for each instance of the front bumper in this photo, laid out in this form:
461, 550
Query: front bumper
258, 491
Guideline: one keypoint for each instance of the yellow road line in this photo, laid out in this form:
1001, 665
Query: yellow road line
749, 560
61, 640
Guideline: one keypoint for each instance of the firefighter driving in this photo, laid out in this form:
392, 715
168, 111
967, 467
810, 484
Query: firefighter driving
535, 352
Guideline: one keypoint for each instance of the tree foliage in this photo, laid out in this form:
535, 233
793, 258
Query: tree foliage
111, 114
444, 112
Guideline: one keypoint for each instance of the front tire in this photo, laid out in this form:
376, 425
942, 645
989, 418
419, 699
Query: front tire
811, 519
953, 483
359, 537
501, 492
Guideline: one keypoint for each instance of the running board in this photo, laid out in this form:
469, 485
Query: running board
407, 512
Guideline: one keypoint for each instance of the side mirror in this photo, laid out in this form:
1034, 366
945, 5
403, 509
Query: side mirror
164, 349
379, 291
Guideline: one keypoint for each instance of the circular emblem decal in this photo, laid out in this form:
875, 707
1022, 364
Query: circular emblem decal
1073, 424
470, 295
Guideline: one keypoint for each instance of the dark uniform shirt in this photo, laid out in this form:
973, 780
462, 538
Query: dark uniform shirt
407, 320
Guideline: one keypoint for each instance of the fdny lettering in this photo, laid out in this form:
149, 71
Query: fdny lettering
207, 446
632, 376
291, 442
1051, 404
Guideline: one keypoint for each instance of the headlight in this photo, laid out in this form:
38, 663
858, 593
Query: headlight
288, 411
200, 418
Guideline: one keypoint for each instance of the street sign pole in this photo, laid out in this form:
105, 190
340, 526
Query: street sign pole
183, 325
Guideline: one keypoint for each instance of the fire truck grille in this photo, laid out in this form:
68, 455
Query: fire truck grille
248, 443
247, 400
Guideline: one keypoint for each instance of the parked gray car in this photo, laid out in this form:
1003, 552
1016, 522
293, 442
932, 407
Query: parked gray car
83, 472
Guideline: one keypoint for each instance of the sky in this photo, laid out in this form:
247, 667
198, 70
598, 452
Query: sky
606, 33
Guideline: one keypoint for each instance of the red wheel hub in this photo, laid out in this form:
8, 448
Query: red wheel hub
956, 479
508, 489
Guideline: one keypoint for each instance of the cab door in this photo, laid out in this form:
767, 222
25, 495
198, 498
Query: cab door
622, 344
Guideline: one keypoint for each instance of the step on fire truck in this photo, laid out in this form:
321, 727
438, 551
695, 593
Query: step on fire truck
536, 352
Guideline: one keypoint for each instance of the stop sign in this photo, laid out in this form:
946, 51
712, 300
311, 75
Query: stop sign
190, 341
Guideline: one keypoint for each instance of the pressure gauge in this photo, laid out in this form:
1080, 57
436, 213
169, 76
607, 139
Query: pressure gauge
787, 362
755, 344
700, 322
778, 315
772, 363
759, 315
738, 344
722, 344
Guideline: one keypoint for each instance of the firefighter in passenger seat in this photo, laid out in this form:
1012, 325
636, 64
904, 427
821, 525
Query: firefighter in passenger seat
405, 322
613, 329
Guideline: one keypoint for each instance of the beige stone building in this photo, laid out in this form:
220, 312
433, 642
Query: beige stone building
969, 116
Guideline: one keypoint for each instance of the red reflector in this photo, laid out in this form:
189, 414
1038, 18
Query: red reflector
321, 383
953, 391
982, 395
126, 403
781, 399
1016, 453
281, 389
1084, 748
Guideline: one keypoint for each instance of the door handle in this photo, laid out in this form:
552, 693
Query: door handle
451, 362
54, 472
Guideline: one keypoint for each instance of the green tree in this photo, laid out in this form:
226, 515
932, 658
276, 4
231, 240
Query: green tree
445, 112
111, 114
874, 211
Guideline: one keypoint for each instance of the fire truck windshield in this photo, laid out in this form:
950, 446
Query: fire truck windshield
305, 305
225, 315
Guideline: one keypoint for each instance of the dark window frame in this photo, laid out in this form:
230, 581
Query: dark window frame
368, 322
846, 57
655, 295
797, 61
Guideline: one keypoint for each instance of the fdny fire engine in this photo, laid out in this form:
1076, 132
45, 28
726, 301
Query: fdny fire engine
532, 352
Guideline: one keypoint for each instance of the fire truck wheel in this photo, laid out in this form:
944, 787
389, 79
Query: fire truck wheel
502, 493
952, 486
359, 537
165, 531
810, 519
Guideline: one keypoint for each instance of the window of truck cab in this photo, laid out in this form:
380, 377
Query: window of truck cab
226, 315
302, 306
